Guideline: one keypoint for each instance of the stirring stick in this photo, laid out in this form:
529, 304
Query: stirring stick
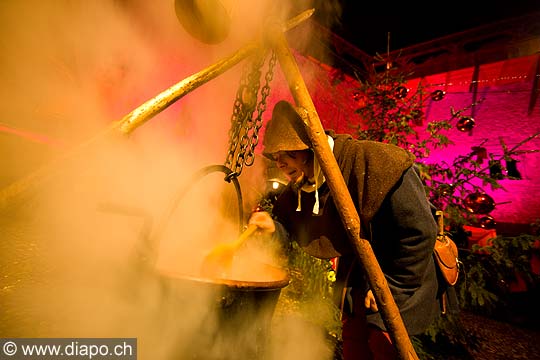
218, 262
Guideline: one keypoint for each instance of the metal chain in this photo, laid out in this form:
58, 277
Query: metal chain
239, 114
261, 108
236, 120
249, 99
242, 122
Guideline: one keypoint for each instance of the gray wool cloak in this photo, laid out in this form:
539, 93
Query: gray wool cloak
395, 217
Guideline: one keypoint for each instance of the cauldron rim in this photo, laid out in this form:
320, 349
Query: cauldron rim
248, 285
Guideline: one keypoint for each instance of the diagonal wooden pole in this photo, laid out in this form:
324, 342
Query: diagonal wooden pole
140, 115
340, 193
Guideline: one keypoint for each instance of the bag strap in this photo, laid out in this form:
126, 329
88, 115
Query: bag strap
439, 215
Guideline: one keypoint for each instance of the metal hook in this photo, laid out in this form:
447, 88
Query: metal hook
232, 175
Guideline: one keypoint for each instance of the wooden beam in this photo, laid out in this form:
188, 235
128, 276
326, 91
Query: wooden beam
342, 198
140, 115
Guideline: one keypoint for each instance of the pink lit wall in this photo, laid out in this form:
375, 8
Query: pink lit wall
502, 117
502, 114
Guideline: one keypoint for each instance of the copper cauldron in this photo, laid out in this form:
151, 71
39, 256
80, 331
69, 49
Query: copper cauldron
233, 309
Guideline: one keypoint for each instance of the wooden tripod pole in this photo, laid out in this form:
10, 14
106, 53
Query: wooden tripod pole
140, 115
342, 198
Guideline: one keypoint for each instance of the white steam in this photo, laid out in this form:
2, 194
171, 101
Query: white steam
79, 231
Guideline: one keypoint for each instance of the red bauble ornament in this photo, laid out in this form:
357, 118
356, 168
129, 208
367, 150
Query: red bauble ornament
479, 203
465, 123
437, 95
487, 222
401, 92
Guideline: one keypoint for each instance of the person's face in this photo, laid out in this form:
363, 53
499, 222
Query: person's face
293, 164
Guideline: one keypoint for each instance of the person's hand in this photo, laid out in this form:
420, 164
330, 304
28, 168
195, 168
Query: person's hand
263, 221
369, 302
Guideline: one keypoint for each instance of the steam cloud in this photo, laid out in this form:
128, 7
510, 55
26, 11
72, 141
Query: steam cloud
74, 246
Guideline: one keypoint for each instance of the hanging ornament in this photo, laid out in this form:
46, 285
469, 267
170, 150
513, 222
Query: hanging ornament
481, 153
511, 167
465, 123
417, 117
437, 95
479, 203
487, 222
401, 92
495, 170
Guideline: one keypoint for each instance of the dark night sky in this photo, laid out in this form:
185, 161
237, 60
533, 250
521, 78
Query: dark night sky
366, 24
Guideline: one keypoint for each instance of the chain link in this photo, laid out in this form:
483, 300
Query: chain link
261, 108
244, 131
239, 115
